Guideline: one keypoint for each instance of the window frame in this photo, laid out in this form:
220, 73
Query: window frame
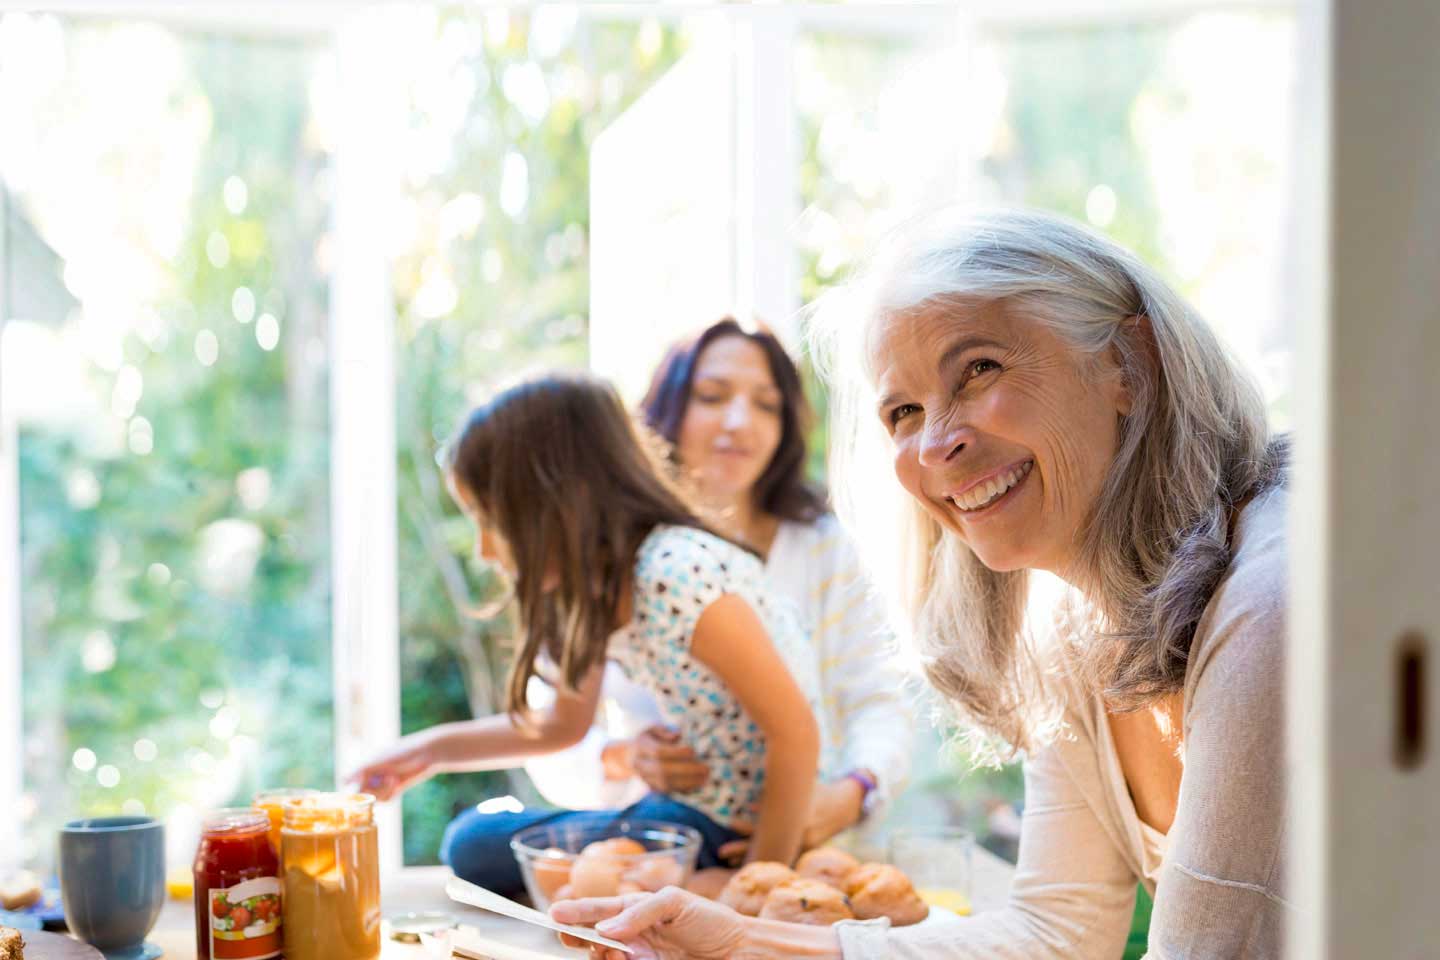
365, 634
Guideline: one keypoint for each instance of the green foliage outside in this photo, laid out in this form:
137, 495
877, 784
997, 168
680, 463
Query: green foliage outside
521, 294
176, 599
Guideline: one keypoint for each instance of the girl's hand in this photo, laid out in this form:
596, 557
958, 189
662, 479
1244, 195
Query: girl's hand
669, 925
409, 762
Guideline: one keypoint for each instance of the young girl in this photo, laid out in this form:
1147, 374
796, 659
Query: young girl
607, 560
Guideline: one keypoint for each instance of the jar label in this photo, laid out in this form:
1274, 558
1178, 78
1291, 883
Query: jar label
245, 920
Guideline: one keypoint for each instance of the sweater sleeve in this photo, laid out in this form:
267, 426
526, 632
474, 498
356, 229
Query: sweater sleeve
862, 685
1220, 891
1073, 893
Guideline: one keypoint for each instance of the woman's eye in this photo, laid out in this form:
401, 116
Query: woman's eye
983, 366
901, 412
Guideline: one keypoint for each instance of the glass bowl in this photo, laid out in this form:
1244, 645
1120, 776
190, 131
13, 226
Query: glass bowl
603, 857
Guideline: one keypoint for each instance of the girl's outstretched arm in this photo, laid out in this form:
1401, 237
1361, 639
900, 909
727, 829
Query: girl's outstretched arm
731, 640
485, 743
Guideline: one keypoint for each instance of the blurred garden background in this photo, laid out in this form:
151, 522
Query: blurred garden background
168, 188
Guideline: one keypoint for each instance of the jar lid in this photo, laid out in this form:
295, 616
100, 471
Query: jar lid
282, 795
408, 927
324, 812
235, 820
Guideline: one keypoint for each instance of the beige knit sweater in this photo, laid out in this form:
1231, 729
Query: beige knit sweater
1217, 876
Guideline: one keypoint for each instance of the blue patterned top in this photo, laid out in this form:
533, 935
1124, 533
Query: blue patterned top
679, 571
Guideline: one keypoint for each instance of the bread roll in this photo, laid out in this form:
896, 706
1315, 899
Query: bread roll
806, 901
880, 890
747, 890
828, 865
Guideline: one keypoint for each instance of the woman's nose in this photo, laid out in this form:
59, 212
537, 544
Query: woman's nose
942, 442
737, 414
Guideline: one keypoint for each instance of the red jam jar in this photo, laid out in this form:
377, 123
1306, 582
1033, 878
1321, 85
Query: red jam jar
237, 888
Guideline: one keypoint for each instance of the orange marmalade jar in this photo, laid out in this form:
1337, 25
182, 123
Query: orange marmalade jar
237, 888
330, 856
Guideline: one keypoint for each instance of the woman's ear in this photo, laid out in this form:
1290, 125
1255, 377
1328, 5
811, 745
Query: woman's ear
1137, 337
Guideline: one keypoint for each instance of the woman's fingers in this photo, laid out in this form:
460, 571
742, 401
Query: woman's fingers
591, 909
620, 918
734, 851
644, 912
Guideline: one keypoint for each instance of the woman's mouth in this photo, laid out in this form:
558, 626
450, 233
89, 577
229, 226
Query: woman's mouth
989, 493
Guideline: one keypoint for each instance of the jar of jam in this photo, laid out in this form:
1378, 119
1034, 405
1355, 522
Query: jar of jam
331, 859
237, 888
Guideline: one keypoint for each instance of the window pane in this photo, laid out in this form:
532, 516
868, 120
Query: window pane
1175, 138
169, 377
492, 280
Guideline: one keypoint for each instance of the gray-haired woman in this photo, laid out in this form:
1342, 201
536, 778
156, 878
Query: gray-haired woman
1049, 404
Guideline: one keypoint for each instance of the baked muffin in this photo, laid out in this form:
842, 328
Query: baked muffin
828, 865
806, 901
616, 847
880, 890
12, 945
747, 890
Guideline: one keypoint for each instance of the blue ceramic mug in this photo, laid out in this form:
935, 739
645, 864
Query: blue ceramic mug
112, 879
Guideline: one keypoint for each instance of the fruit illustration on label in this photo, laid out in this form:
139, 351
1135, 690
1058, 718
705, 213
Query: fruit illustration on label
245, 921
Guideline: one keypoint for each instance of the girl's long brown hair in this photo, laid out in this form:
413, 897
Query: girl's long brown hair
566, 477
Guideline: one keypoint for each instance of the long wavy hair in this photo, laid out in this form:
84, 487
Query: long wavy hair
782, 489
574, 486
1155, 544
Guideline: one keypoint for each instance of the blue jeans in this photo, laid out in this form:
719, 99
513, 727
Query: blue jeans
477, 845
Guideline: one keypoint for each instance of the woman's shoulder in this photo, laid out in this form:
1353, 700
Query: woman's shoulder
1242, 633
814, 544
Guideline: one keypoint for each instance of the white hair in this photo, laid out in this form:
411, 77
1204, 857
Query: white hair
1154, 544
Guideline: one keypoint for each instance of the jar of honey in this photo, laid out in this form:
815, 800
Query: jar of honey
330, 855
237, 888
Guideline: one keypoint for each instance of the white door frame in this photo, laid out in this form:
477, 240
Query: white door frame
1366, 525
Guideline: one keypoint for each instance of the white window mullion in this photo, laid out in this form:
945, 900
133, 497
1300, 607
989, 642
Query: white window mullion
362, 410
767, 200
11, 712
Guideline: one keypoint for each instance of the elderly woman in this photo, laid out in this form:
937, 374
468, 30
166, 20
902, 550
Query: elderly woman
1051, 405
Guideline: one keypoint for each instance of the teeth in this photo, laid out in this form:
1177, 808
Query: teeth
991, 489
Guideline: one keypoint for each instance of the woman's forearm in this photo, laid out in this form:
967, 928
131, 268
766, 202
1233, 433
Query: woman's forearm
492, 743
772, 939
791, 762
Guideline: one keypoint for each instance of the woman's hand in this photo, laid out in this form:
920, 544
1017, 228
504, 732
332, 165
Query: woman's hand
835, 806
665, 764
669, 925
409, 762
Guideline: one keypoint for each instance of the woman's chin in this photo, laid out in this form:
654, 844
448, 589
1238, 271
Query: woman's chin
1001, 555
726, 485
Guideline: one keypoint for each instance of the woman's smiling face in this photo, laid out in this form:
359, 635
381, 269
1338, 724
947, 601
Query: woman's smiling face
733, 420
1000, 430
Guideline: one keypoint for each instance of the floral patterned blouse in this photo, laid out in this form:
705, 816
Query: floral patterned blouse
679, 571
